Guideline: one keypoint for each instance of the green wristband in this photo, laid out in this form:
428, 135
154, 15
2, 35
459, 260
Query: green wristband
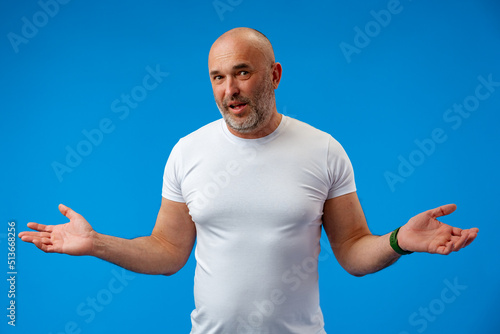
394, 243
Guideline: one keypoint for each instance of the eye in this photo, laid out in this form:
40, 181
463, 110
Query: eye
217, 79
244, 73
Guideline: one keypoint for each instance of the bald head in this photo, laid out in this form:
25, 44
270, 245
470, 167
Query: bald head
244, 76
241, 38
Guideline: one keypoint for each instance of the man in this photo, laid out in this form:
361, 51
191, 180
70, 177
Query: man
255, 189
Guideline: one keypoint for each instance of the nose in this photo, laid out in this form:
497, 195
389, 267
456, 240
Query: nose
232, 88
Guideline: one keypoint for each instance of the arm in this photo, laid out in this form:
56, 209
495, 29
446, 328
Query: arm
360, 252
165, 251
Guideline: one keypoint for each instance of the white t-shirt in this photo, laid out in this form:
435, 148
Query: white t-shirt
257, 205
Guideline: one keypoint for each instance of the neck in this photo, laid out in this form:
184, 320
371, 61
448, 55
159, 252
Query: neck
263, 131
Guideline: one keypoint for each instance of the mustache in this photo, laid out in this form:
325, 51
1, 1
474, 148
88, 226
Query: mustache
241, 99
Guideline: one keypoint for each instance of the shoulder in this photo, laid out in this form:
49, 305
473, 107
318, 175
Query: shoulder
314, 138
304, 130
202, 134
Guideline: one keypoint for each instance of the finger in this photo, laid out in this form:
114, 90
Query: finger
460, 243
472, 236
442, 210
68, 212
466, 243
27, 238
445, 249
40, 227
46, 247
30, 236
455, 231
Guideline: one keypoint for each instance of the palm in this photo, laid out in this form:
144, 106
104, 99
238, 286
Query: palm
424, 233
73, 238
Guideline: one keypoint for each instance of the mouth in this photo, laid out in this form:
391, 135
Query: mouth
237, 107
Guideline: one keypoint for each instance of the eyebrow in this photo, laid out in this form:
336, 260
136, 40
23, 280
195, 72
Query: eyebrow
240, 66
235, 67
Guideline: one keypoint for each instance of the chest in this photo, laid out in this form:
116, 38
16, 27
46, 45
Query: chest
250, 187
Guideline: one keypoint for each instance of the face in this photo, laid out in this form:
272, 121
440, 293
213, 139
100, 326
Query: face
243, 86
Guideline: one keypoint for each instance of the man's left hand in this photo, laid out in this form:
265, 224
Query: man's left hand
424, 233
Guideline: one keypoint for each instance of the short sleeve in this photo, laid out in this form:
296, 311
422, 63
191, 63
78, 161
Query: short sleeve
340, 171
172, 176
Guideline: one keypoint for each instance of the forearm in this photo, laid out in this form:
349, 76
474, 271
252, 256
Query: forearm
146, 255
367, 254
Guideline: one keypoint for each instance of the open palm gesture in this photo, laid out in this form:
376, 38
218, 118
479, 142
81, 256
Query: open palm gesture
73, 238
424, 233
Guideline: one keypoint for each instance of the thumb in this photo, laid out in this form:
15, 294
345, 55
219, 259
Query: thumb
68, 212
442, 210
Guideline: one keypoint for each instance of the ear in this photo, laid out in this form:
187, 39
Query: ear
276, 71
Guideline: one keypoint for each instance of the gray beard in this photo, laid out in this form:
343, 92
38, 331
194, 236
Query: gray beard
261, 110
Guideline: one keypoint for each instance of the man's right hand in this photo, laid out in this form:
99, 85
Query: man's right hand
73, 238
164, 252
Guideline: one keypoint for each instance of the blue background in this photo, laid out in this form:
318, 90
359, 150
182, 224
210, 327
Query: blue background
395, 89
